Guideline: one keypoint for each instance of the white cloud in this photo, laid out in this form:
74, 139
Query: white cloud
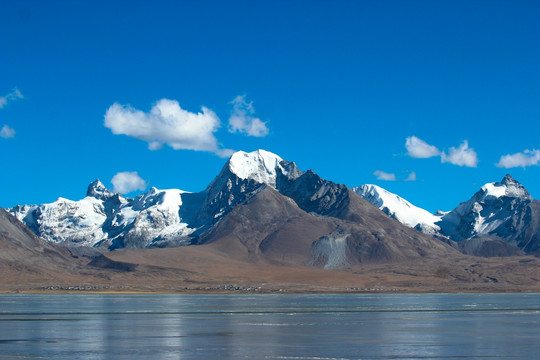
418, 148
243, 121
381, 175
411, 177
13, 95
521, 159
167, 123
128, 181
461, 156
7, 132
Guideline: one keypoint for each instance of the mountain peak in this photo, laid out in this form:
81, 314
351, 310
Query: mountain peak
259, 165
97, 190
508, 187
508, 179
514, 188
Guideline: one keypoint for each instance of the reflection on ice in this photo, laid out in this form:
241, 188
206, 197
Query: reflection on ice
366, 326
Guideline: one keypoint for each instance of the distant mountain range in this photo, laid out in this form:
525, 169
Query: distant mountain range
262, 206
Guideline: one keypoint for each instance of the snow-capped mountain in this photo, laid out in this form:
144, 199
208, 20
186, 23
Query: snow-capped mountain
300, 218
261, 166
399, 208
258, 205
157, 217
104, 219
500, 219
502, 211
243, 174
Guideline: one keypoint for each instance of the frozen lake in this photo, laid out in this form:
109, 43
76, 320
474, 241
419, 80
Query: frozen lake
282, 326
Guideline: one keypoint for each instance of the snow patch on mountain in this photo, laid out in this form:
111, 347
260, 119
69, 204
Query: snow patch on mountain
64, 220
106, 219
507, 187
494, 189
154, 226
260, 165
153, 218
399, 208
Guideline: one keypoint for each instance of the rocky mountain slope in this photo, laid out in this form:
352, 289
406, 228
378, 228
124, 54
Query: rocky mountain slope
259, 204
31, 264
25, 257
501, 219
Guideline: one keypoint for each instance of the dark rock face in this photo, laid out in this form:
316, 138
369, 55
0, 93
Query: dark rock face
529, 236
314, 194
223, 193
499, 220
97, 190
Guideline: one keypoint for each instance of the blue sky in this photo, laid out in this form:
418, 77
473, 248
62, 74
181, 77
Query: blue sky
336, 86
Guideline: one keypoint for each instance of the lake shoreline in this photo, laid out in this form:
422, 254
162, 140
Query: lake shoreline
270, 292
